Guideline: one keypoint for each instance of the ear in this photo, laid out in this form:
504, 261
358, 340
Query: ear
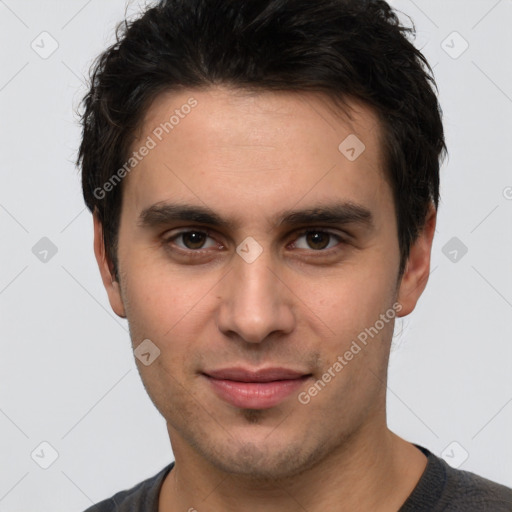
417, 269
107, 269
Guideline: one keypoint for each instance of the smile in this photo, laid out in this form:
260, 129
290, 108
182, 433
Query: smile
261, 389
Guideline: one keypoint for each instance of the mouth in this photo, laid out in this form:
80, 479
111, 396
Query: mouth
255, 389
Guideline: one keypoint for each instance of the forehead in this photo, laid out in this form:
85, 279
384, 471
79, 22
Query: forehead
227, 147
234, 114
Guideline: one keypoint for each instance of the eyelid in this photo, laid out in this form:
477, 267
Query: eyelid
174, 232
330, 231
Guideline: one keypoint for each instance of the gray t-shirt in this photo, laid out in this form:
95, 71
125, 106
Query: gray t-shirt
440, 488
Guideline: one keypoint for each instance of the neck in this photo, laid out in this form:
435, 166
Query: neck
370, 471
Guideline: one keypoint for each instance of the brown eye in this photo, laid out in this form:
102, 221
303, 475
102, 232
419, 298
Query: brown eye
193, 240
316, 240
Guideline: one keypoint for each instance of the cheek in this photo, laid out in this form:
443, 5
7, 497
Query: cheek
164, 309
157, 300
350, 302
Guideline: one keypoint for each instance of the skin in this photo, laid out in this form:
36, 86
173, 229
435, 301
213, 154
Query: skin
249, 157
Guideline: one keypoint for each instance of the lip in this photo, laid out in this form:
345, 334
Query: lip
255, 389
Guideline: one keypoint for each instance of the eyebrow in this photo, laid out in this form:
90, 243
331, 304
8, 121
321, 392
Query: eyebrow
333, 213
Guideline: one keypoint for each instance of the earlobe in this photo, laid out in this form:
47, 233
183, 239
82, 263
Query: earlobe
417, 268
106, 268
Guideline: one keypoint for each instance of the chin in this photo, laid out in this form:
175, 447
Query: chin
265, 461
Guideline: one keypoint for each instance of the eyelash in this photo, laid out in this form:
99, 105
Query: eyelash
200, 252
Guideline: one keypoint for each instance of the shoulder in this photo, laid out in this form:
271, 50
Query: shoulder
470, 492
443, 488
143, 496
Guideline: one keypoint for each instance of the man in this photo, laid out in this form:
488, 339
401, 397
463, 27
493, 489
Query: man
264, 178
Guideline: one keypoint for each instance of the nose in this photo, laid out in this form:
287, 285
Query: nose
255, 301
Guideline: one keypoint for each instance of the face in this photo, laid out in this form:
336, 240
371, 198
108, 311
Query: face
260, 258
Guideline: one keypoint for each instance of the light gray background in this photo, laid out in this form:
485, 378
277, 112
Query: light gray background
67, 373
